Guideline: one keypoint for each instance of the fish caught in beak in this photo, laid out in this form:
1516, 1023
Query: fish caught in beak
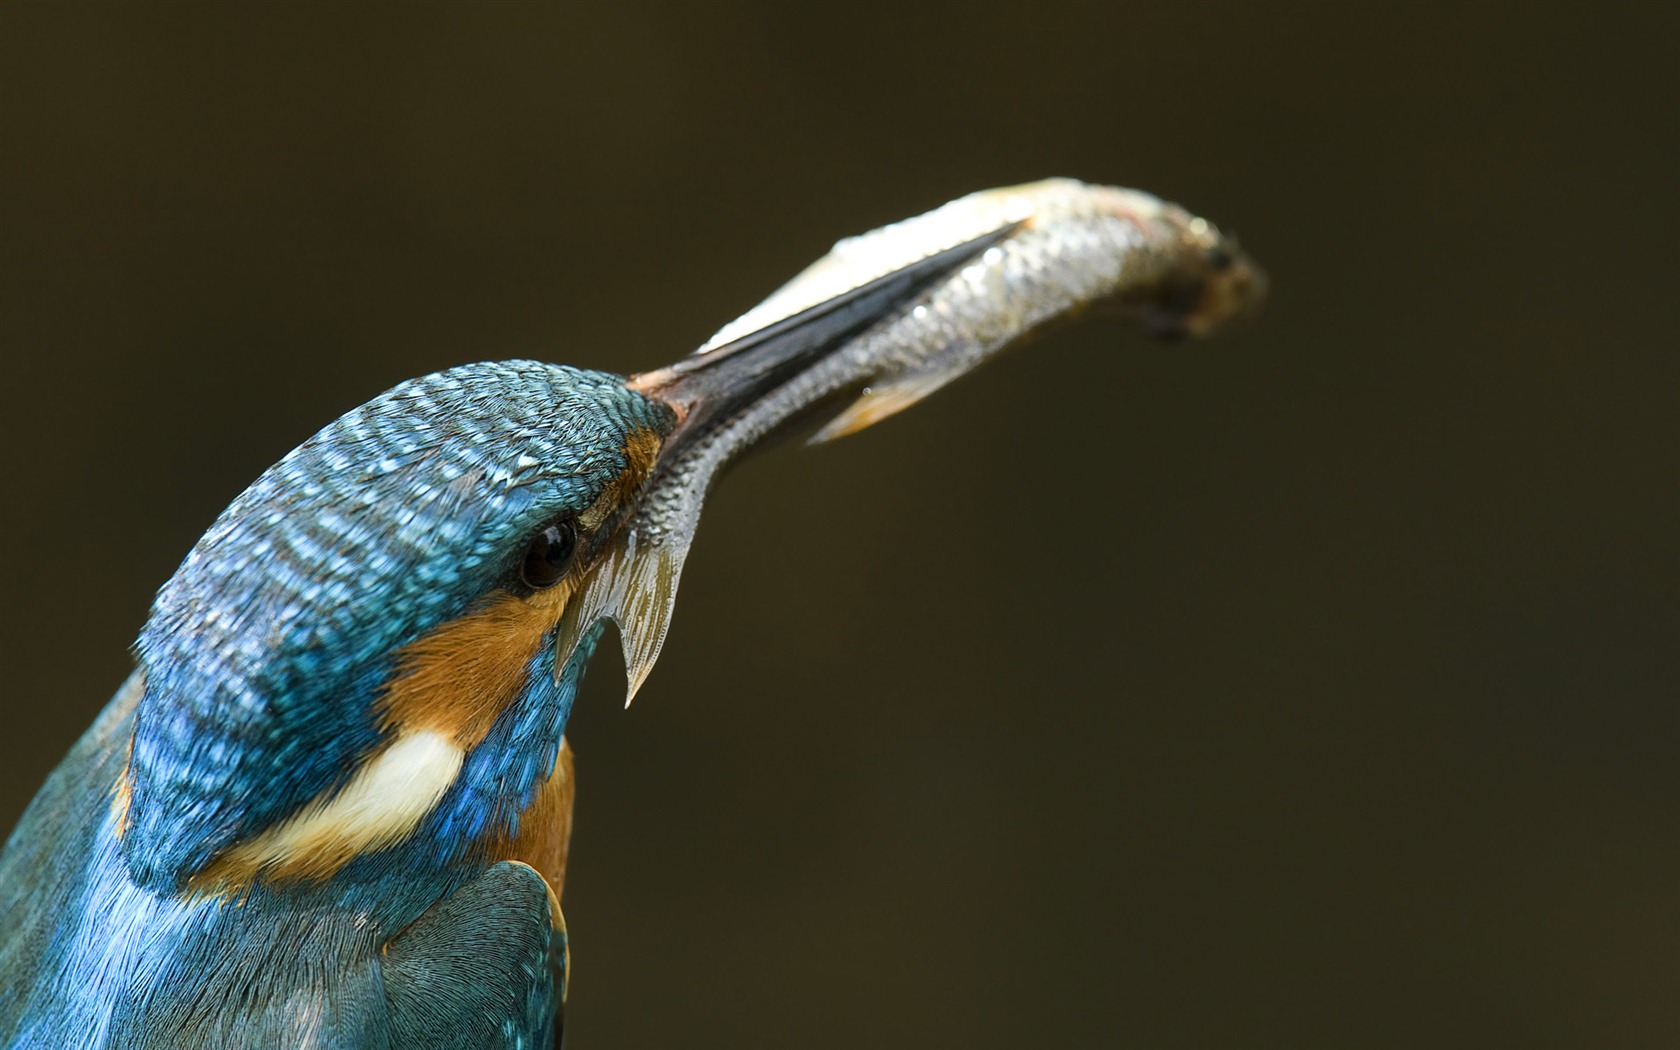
885, 319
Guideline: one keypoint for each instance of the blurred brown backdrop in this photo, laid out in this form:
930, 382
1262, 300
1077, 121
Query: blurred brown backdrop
1310, 688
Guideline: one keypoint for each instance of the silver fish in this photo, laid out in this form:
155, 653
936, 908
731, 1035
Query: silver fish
986, 270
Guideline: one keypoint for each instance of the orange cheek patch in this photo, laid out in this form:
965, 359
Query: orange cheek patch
641, 448
457, 679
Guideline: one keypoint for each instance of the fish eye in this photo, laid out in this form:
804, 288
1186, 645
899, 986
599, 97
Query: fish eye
549, 555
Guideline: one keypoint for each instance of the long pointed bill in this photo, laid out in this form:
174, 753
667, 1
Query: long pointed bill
889, 317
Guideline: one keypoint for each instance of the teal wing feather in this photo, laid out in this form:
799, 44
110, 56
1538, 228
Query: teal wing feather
484, 968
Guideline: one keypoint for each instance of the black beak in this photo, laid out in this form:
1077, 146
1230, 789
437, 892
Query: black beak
715, 388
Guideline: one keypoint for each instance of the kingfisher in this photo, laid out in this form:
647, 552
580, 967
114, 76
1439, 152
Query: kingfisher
331, 806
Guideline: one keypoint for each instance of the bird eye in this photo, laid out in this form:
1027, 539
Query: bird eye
549, 555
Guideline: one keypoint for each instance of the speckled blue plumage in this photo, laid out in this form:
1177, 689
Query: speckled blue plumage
259, 669
265, 651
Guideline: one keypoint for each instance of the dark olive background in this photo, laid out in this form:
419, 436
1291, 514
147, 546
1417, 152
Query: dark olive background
1308, 688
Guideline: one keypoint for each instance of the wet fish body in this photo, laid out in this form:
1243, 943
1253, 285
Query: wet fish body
988, 270
1066, 246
